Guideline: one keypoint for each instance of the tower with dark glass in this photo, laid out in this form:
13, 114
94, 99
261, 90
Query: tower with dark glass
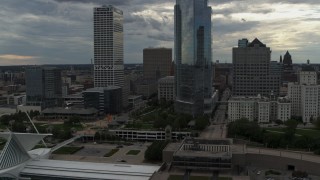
193, 70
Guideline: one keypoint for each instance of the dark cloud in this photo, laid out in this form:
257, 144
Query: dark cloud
100, 2
162, 37
221, 26
60, 31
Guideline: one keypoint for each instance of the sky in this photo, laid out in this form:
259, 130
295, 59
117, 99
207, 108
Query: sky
61, 31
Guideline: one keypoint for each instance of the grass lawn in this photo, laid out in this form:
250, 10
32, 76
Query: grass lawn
68, 150
225, 178
180, 177
299, 132
110, 153
133, 152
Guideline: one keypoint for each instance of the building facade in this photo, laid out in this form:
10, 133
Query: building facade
253, 72
260, 109
43, 87
107, 100
157, 62
166, 88
108, 49
305, 95
193, 65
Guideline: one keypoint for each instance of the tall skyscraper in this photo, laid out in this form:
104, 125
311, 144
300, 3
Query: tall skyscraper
156, 63
108, 49
193, 70
43, 86
253, 71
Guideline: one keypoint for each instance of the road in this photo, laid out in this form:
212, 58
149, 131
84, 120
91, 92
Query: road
218, 128
214, 132
219, 116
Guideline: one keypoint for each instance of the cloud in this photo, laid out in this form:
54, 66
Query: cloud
16, 57
61, 31
99, 2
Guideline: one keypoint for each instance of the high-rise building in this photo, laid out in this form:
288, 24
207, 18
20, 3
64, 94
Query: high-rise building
193, 70
43, 86
287, 60
157, 62
108, 49
305, 94
253, 72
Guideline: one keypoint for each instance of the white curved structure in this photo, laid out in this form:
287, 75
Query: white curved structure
17, 152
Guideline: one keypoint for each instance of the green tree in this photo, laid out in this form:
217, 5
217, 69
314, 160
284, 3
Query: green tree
201, 122
154, 151
290, 129
317, 123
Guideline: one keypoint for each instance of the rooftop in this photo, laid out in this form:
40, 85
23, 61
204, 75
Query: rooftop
88, 170
256, 41
60, 110
101, 89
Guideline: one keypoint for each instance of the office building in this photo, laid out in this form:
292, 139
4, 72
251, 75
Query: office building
107, 100
304, 95
43, 87
108, 49
287, 60
258, 108
193, 65
166, 88
157, 62
253, 72
200, 154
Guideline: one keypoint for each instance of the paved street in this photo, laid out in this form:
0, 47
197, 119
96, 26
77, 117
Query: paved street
214, 132
218, 128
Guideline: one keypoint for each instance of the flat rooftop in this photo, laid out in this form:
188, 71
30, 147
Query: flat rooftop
87, 170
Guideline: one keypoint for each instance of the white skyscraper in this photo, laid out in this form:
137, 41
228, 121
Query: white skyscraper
108, 49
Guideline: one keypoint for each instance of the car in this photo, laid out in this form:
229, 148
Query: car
259, 172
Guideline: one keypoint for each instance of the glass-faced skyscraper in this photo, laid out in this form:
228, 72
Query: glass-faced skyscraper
108, 48
193, 70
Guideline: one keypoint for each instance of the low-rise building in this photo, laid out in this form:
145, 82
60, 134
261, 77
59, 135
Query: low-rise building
149, 135
108, 100
200, 154
166, 88
135, 101
66, 113
261, 109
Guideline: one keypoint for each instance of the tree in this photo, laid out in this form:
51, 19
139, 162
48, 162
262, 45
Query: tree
290, 129
154, 151
201, 122
317, 123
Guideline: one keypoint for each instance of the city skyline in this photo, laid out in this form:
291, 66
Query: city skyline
60, 31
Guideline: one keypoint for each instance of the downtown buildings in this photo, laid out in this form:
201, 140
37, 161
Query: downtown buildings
193, 65
108, 49
43, 87
157, 63
253, 71
305, 95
